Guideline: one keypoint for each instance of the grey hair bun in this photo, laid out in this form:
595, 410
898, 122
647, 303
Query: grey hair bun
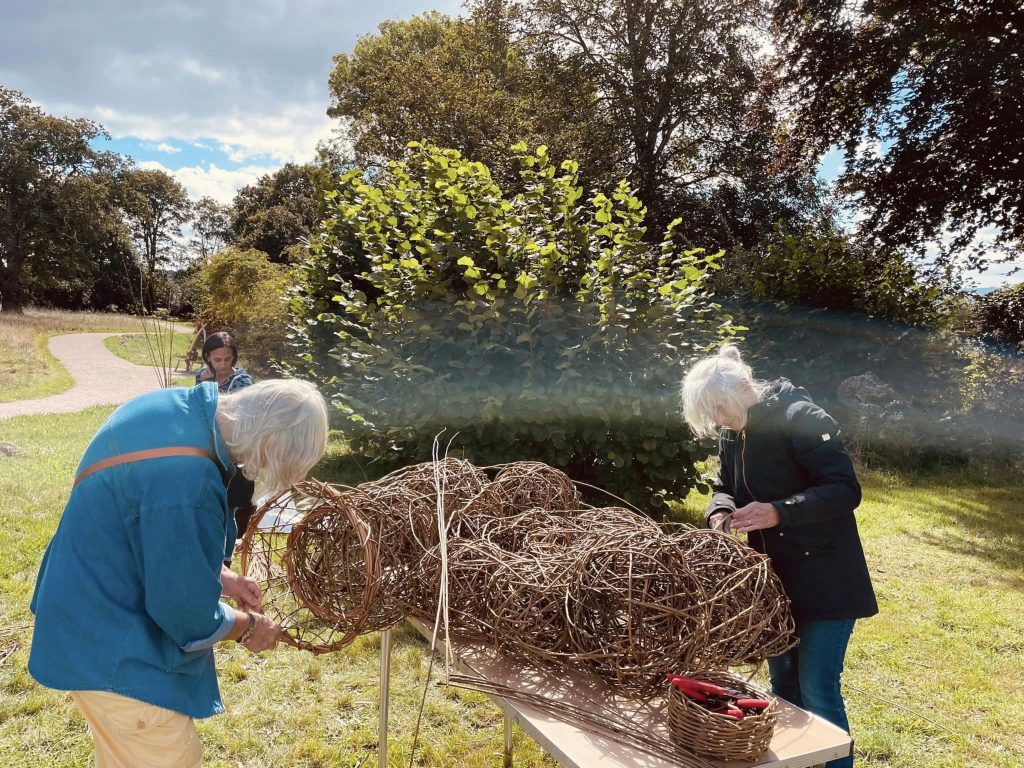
730, 352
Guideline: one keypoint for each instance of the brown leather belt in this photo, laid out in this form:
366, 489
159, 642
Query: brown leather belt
149, 453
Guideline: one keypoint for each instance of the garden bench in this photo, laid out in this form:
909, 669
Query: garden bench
194, 352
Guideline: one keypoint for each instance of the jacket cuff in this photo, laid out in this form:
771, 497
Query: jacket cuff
785, 513
720, 502
226, 623
787, 507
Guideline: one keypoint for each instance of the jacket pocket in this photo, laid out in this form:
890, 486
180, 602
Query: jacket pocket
796, 545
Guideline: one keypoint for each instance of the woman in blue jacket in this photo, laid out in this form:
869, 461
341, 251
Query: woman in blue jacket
128, 597
787, 482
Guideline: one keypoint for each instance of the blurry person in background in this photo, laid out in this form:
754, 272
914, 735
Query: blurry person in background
220, 356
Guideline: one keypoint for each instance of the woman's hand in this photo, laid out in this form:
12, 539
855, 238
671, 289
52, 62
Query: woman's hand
754, 517
721, 520
244, 591
264, 635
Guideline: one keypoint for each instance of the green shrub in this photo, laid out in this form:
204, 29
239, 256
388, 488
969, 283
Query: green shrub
824, 269
242, 291
537, 326
1001, 315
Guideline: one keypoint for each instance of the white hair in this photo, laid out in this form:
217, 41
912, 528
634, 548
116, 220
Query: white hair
276, 430
721, 377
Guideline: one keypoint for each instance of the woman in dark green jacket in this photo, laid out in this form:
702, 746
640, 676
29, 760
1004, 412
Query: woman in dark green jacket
787, 482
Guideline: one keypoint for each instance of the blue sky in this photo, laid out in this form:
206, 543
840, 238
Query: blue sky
218, 93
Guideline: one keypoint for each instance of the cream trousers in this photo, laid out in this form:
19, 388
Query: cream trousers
131, 734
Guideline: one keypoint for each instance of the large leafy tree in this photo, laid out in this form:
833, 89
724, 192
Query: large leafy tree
55, 204
927, 101
464, 83
280, 211
155, 206
677, 79
662, 91
92, 263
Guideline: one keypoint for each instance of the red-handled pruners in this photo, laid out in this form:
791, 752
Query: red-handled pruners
715, 698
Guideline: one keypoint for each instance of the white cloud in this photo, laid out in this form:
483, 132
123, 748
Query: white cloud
289, 135
211, 181
163, 147
212, 75
235, 154
999, 275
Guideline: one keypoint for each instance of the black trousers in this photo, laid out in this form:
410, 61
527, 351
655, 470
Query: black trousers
240, 490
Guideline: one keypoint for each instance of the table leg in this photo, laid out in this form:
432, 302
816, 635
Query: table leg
506, 761
385, 684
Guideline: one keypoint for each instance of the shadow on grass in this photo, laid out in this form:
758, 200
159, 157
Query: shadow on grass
990, 516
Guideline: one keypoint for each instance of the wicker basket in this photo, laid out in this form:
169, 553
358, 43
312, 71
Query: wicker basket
698, 730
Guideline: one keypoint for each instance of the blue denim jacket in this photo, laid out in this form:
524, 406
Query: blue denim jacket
127, 599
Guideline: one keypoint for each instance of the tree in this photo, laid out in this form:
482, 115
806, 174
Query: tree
280, 211
246, 292
1001, 315
52, 195
538, 324
669, 99
210, 226
155, 206
92, 265
928, 106
676, 78
463, 83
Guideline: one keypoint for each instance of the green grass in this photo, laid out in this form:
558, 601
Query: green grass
140, 348
934, 681
27, 369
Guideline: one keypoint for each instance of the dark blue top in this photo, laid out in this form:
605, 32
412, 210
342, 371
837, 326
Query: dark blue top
237, 380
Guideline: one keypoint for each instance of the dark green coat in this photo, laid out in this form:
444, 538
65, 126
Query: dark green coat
790, 455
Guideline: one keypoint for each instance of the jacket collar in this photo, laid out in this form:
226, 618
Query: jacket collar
208, 395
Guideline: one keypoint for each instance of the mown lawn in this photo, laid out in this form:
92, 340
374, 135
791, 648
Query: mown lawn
27, 369
935, 680
155, 348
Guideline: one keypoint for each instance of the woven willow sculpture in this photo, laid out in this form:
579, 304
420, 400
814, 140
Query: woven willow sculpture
528, 569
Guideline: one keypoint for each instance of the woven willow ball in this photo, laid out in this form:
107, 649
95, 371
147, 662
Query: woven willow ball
470, 520
747, 605
512, 600
640, 612
411, 497
399, 550
514, 533
524, 485
332, 564
265, 557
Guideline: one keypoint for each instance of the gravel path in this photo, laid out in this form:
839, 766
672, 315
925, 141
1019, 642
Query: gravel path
101, 377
